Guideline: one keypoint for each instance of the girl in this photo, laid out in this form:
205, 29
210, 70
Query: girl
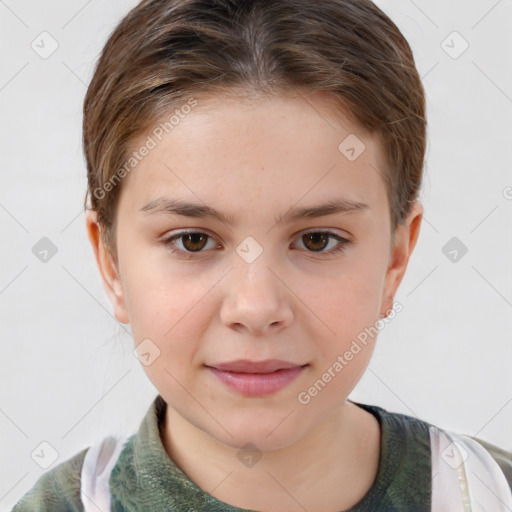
253, 176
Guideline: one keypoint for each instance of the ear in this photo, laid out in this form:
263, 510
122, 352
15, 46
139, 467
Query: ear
107, 267
405, 241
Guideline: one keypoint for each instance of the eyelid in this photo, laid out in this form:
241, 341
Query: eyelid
330, 231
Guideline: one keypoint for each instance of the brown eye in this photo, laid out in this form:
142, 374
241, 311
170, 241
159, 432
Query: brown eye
316, 241
194, 241
188, 243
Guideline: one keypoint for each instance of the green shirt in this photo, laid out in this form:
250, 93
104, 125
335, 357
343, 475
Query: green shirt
145, 478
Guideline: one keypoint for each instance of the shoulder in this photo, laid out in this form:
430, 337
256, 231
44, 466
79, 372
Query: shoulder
80, 483
502, 457
482, 450
403, 481
469, 469
447, 468
56, 490
418, 429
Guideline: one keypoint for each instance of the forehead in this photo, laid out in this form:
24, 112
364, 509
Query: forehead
281, 148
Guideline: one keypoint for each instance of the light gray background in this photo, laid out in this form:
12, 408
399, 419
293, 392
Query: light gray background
68, 375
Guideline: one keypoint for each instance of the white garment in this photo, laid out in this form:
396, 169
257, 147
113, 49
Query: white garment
99, 462
465, 477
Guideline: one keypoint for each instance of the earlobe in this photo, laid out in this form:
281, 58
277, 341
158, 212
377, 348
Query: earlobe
406, 237
107, 267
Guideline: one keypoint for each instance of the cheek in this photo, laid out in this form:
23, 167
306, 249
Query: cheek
160, 297
344, 340
347, 302
167, 309
349, 307
171, 314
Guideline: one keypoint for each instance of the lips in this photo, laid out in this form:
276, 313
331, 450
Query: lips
247, 366
256, 378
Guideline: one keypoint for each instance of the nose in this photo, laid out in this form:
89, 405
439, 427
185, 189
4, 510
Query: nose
256, 298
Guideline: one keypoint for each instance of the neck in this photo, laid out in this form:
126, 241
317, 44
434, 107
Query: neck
329, 469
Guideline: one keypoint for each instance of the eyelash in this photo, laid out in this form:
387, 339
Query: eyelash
343, 242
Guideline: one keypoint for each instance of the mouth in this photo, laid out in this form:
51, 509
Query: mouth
256, 378
247, 366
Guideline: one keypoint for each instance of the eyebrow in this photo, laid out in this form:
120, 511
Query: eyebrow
170, 206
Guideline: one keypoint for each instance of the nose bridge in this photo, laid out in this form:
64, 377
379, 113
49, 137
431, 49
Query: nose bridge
255, 297
252, 263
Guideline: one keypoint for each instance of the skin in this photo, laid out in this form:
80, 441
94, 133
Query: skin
255, 159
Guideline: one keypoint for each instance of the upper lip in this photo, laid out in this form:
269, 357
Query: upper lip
247, 366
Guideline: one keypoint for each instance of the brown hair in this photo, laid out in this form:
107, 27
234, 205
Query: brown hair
165, 51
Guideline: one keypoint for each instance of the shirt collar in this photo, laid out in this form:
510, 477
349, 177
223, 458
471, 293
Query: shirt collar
148, 478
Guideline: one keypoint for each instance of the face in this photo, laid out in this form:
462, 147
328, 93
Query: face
271, 276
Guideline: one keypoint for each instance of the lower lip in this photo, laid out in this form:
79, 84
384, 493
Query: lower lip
258, 384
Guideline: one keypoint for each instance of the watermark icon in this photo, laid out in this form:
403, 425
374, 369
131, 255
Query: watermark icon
304, 397
249, 250
44, 250
150, 143
44, 455
352, 147
45, 45
146, 352
454, 249
454, 455
454, 45
249, 455
507, 193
